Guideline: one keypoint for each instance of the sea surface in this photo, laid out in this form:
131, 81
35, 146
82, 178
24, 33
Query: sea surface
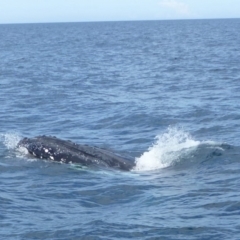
165, 93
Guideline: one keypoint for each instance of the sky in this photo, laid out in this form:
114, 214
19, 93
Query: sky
41, 11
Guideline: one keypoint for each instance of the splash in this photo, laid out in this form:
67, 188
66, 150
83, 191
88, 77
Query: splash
10, 140
167, 149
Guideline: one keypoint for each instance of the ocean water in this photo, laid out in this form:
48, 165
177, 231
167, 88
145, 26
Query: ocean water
166, 93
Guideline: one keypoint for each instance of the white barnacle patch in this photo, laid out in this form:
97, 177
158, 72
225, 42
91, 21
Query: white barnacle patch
96, 161
46, 150
51, 157
34, 154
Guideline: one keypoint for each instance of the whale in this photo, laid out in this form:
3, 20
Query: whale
65, 151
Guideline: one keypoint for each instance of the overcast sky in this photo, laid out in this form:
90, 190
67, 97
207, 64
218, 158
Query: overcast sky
32, 11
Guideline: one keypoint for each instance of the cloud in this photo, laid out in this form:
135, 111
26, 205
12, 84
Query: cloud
177, 6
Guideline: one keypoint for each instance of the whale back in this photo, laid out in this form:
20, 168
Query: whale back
64, 151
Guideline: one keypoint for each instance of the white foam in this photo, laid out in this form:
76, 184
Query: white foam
166, 150
10, 140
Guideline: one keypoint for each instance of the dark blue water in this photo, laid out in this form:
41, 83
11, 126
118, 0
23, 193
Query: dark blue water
166, 93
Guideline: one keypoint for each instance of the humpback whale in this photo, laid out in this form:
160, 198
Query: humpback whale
65, 151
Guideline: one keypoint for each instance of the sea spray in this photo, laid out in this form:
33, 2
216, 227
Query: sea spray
10, 140
166, 150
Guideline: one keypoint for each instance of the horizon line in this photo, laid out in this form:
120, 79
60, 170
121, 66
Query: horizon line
103, 21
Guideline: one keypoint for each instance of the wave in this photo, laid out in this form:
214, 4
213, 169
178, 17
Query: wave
176, 146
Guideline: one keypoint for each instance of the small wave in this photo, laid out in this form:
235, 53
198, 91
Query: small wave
169, 148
